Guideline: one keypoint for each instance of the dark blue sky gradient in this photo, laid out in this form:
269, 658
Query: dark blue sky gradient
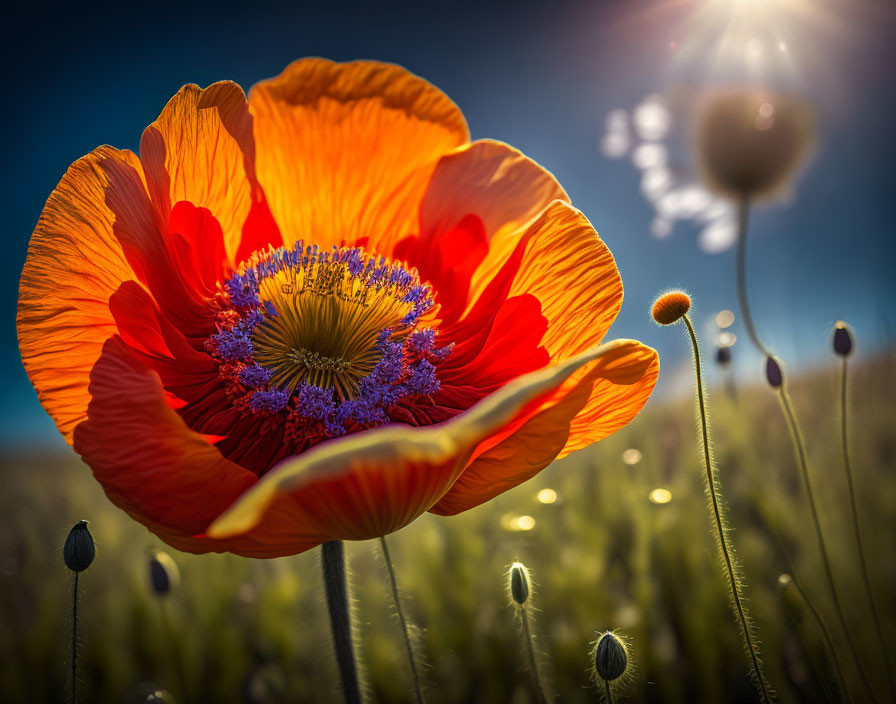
540, 76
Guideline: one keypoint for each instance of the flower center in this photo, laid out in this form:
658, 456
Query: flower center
331, 338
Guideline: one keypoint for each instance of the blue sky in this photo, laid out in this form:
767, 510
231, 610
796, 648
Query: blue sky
541, 76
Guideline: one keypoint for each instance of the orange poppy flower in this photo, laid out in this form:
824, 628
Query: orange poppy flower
318, 313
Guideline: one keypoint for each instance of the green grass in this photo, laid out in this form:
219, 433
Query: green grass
602, 557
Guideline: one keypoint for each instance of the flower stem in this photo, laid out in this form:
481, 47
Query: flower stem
856, 527
829, 642
336, 588
727, 550
530, 651
743, 217
174, 645
396, 597
743, 208
800, 446
75, 640
609, 694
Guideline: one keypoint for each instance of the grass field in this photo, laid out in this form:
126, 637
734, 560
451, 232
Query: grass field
603, 556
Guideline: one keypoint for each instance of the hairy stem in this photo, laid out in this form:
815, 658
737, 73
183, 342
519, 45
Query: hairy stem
800, 446
726, 549
396, 597
75, 640
857, 530
530, 651
336, 588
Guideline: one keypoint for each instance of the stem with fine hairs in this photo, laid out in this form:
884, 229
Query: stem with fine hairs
800, 446
533, 663
743, 209
339, 608
75, 640
857, 530
396, 597
726, 550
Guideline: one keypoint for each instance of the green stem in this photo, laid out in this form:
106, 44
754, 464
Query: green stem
533, 663
396, 597
75, 640
726, 549
857, 531
336, 588
799, 444
743, 217
174, 645
829, 642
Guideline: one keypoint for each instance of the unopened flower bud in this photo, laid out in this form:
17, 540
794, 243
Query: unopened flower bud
519, 583
671, 307
610, 657
163, 573
842, 339
79, 549
773, 372
723, 356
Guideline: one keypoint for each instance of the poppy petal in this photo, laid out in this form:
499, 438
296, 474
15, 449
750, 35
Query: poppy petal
601, 397
373, 483
161, 473
201, 149
571, 271
345, 151
73, 266
494, 181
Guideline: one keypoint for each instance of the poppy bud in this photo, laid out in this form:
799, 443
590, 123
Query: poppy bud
671, 307
519, 583
610, 657
773, 372
163, 573
79, 549
842, 339
723, 356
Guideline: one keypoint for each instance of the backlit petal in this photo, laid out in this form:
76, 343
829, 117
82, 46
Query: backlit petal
373, 483
345, 151
201, 149
74, 264
601, 397
571, 271
495, 182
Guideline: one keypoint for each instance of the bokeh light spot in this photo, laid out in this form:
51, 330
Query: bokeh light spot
727, 339
724, 319
525, 523
547, 496
660, 496
631, 456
